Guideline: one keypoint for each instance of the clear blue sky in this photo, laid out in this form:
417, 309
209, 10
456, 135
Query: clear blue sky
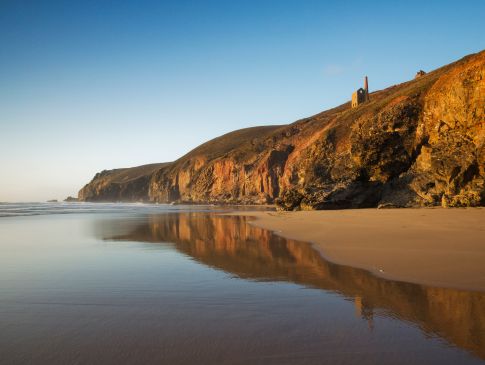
92, 85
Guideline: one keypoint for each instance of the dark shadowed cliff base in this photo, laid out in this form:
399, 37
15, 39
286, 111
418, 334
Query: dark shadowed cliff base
419, 143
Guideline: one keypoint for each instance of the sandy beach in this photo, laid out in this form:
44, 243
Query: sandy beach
435, 246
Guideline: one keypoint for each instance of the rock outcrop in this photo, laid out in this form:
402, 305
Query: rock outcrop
128, 185
420, 143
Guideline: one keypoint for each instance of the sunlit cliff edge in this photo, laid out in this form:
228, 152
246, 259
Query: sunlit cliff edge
419, 143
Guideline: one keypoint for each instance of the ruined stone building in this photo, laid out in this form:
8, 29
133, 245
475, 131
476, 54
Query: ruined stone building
419, 74
361, 95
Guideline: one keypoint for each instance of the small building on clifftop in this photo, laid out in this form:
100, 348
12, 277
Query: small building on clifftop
419, 74
361, 95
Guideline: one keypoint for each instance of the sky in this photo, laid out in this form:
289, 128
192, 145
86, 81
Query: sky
93, 85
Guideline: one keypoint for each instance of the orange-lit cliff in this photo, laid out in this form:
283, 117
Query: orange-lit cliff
420, 143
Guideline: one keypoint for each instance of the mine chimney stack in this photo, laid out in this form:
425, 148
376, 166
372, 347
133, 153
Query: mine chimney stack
366, 88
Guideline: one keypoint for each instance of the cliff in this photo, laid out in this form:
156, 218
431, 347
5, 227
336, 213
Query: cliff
420, 143
129, 184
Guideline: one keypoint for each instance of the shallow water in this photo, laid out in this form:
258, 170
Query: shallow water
168, 285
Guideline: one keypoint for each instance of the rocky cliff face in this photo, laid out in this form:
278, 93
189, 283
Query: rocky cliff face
420, 143
130, 184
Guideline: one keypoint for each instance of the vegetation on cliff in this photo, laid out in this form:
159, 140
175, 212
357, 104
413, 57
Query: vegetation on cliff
420, 143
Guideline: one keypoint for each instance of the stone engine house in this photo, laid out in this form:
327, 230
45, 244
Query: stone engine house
361, 95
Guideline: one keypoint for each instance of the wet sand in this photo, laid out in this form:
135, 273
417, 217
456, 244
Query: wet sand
435, 246
153, 284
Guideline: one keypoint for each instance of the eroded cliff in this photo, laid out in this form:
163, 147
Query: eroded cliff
420, 143
129, 184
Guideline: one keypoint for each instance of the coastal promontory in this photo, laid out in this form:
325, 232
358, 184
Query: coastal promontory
419, 143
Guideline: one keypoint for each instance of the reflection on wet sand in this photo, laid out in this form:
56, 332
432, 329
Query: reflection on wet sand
228, 243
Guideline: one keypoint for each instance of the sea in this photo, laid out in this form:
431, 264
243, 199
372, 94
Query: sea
94, 283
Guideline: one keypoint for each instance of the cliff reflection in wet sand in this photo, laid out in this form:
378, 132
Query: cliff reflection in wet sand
228, 243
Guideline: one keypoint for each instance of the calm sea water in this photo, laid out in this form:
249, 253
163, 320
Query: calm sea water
148, 284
